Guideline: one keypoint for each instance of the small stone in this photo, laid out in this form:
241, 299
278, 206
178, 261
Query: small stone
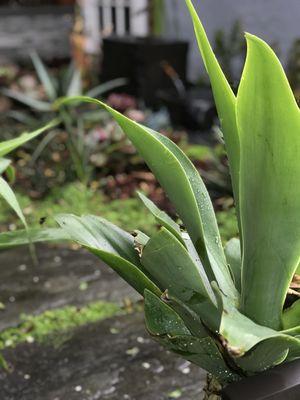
146, 365
78, 388
133, 352
29, 339
27, 377
176, 394
22, 267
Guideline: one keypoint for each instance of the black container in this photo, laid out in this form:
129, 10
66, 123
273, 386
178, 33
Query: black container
194, 110
279, 383
141, 61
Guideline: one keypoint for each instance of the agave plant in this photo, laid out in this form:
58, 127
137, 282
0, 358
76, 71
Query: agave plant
223, 309
7, 147
68, 84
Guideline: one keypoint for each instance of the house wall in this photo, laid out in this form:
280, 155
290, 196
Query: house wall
45, 29
276, 21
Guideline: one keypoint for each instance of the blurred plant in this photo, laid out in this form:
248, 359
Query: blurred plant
212, 164
7, 169
157, 16
230, 47
69, 83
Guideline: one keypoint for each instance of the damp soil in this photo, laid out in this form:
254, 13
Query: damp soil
62, 277
111, 359
114, 359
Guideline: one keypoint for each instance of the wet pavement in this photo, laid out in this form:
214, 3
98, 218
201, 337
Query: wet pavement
63, 277
113, 359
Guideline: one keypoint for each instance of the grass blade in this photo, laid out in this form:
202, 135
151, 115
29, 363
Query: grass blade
10, 145
37, 105
44, 76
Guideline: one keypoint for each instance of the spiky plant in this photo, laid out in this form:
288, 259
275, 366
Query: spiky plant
222, 309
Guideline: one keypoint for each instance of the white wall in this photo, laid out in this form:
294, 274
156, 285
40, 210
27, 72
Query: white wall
273, 20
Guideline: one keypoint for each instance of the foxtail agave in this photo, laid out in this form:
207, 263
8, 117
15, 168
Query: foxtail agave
224, 309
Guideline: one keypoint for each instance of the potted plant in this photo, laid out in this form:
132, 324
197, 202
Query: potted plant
232, 311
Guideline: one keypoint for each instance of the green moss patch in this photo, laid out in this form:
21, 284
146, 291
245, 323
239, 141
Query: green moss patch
55, 325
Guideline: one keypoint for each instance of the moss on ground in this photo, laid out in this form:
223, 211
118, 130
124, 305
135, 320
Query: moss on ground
129, 214
74, 198
55, 325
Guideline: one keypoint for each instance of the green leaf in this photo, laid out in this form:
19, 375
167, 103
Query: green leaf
169, 263
234, 258
185, 188
10, 174
75, 87
224, 99
190, 318
291, 316
9, 196
10, 145
99, 90
112, 245
29, 101
269, 124
25, 237
265, 355
203, 352
162, 218
4, 164
162, 319
44, 76
252, 345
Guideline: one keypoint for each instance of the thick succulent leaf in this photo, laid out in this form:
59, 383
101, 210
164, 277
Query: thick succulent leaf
252, 345
185, 188
44, 76
112, 245
265, 355
224, 98
25, 237
292, 331
269, 124
200, 351
291, 316
234, 258
161, 217
10, 145
29, 101
190, 318
162, 319
8, 195
167, 260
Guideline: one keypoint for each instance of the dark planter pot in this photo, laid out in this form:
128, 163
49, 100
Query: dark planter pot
141, 61
279, 383
193, 110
